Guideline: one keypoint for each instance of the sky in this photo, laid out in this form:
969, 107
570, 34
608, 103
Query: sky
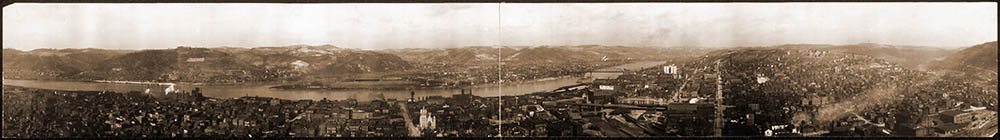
28, 26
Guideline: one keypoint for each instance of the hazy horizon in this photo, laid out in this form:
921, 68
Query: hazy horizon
396, 26
535, 46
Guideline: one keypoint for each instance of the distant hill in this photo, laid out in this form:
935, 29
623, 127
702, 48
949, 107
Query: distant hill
228, 64
464, 55
52, 64
232, 65
911, 57
982, 56
142, 65
365, 62
187, 64
540, 54
976, 64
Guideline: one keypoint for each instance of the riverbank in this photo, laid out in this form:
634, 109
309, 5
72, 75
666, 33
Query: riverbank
265, 90
323, 87
134, 82
291, 85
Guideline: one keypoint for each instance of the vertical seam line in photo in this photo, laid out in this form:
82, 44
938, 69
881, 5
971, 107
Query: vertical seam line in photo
500, 69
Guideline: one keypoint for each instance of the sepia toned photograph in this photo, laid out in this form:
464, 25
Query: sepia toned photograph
500, 70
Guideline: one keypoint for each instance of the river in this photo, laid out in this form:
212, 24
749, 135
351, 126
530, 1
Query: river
264, 90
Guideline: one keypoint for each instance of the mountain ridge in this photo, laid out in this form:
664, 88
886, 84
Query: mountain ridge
268, 63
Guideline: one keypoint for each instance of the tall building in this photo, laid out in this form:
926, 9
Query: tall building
411, 96
427, 121
672, 69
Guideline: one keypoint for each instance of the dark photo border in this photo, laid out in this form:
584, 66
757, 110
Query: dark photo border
10, 2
